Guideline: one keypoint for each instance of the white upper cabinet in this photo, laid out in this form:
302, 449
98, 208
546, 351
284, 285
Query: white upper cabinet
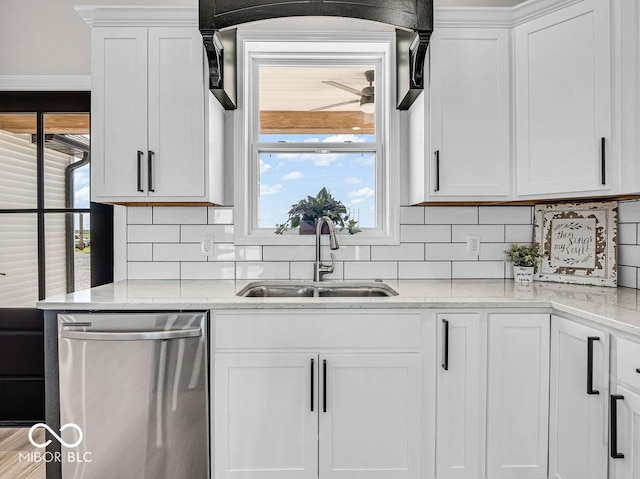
152, 116
469, 113
563, 102
148, 107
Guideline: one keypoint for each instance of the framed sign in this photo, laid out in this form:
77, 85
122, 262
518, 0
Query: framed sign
579, 242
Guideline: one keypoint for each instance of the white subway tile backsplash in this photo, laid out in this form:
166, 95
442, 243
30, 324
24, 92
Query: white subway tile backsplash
220, 216
153, 270
477, 269
153, 234
288, 253
629, 211
210, 270
173, 215
139, 252
424, 270
163, 243
518, 233
627, 233
402, 252
627, 276
304, 270
447, 252
493, 251
505, 215
262, 270
194, 233
139, 215
488, 233
371, 270
411, 215
629, 255
451, 215
425, 233
231, 252
178, 252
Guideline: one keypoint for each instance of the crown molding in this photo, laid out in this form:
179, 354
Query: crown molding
45, 82
140, 16
497, 17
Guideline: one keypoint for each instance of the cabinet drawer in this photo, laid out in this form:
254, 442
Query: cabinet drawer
311, 329
629, 362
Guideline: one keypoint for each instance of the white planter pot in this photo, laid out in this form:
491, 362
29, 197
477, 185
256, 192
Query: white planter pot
523, 274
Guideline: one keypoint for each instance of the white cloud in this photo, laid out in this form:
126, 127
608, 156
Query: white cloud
266, 190
264, 167
312, 140
317, 159
354, 180
343, 139
81, 198
356, 201
365, 192
294, 175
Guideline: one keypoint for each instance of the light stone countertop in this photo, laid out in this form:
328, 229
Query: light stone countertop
614, 307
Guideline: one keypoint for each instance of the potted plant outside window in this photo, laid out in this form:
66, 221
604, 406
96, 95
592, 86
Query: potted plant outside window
306, 212
524, 259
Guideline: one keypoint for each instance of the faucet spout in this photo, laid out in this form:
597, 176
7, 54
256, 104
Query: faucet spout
320, 269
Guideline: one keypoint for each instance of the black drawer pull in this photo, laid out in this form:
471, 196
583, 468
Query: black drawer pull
140, 171
614, 426
437, 153
150, 172
324, 387
590, 341
445, 344
312, 381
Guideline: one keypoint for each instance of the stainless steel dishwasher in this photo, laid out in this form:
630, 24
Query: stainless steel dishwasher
136, 385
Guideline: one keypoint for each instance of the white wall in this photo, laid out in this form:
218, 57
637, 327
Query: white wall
48, 37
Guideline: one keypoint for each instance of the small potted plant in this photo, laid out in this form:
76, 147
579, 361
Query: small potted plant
306, 212
524, 258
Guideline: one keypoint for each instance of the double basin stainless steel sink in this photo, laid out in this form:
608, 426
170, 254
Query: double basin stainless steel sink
308, 289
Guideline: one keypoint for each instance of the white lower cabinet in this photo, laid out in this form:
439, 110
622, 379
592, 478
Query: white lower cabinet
579, 394
518, 396
308, 415
459, 427
625, 449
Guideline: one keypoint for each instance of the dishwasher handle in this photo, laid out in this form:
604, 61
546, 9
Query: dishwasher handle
129, 335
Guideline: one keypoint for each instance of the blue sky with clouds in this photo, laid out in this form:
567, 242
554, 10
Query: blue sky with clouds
287, 177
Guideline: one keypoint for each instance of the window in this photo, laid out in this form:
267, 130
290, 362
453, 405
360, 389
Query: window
315, 113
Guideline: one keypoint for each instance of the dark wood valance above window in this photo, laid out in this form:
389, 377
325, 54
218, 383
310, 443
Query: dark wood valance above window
413, 19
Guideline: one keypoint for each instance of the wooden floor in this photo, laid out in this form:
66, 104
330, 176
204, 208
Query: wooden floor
13, 441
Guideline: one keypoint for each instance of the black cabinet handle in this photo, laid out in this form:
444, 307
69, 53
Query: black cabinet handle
445, 344
437, 153
638, 370
614, 426
150, 171
603, 159
312, 381
140, 171
590, 341
324, 385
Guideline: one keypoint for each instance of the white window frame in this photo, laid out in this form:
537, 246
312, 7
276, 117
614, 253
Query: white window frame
263, 48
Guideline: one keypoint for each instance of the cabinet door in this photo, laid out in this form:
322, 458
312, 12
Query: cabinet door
628, 440
370, 416
459, 421
518, 388
578, 424
563, 100
470, 124
118, 112
176, 113
266, 425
